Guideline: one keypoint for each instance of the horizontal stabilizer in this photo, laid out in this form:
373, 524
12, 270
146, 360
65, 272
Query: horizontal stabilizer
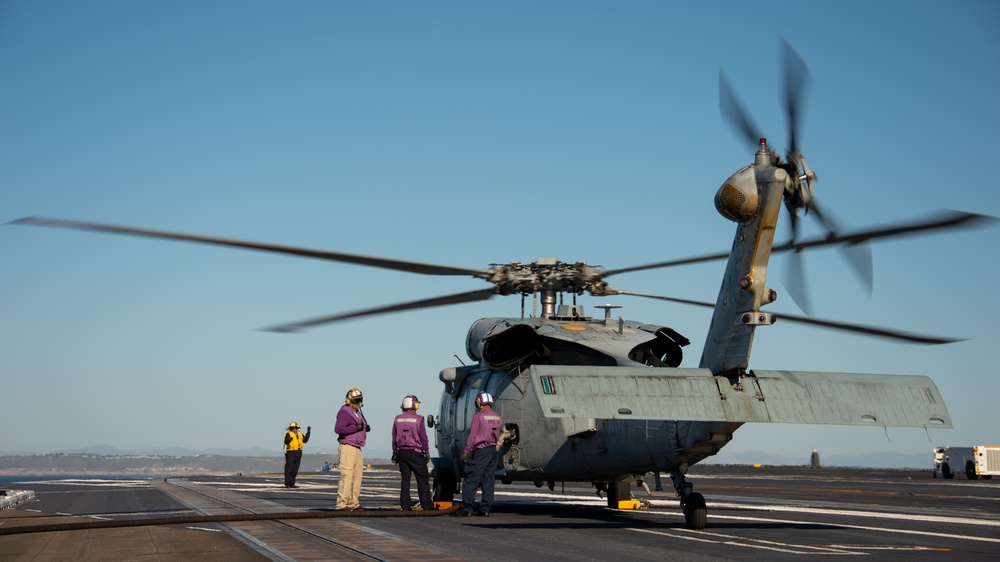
763, 396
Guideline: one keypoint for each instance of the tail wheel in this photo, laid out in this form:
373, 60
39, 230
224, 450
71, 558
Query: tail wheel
695, 511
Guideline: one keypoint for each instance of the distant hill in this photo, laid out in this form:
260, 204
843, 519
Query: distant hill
184, 452
173, 451
888, 459
152, 466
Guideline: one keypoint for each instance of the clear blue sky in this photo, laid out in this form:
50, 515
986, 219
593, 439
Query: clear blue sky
462, 133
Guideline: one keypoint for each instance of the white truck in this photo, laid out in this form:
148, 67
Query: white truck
976, 461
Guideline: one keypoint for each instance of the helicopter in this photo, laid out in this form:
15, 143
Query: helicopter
604, 400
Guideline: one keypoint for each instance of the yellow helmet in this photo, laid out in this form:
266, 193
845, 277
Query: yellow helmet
293, 425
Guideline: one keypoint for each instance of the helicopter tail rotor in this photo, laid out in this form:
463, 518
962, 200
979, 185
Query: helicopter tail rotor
799, 197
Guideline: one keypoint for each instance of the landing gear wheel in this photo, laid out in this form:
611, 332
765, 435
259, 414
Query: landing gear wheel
695, 511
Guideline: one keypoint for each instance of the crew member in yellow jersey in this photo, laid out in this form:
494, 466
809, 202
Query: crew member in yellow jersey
294, 440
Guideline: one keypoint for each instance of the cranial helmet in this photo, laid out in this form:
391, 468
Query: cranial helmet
293, 425
410, 402
484, 399
354, 396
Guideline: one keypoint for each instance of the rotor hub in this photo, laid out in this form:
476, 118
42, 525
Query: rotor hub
547, 274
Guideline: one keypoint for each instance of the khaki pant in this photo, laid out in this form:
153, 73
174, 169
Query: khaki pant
351, 465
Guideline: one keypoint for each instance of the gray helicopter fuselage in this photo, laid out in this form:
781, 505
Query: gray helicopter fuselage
551, 449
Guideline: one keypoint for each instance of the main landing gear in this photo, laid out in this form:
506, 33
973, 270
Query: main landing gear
692, 503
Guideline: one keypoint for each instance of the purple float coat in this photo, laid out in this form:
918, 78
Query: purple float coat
485, 430
347, 427
408, 433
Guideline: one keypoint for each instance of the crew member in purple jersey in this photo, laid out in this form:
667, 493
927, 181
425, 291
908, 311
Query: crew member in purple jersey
480, 456
410, 450
352, 429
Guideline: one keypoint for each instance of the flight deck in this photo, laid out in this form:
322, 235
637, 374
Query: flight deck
780, 513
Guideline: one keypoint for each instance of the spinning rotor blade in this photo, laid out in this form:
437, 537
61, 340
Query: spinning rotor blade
480, 295
796, 79
858, 254
858, 257
947, 220
733, 110
869, 330
384, 263
795, 277
617, 291
795, 282
840, 326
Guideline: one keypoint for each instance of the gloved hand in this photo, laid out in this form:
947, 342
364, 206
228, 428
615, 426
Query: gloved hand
465, 457
394, 458
427, 458
368, 428
360, 426
309, 429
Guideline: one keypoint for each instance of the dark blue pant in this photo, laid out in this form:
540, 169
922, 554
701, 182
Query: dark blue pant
412, 462
292, 461
480, 472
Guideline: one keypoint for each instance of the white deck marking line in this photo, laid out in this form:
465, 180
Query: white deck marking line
869, 514
765, 545
913, 548
860, 527
762, 541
